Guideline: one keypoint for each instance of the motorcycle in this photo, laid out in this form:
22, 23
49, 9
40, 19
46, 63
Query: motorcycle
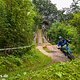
66, 52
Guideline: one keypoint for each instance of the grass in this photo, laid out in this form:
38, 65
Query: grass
15, 66
35, 66
60, 71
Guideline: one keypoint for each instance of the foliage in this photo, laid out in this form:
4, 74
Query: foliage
46, 8
16, 23
14, 66
8, 64
38, 20
76, 21
57, 71
60, 71
75, 6
66, 31
68, 17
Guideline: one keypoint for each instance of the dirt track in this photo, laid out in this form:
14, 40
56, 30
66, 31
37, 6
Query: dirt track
55, 54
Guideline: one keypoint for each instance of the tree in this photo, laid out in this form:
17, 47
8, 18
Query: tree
17, 23
46, 8
66, 31
76, 21
75, 6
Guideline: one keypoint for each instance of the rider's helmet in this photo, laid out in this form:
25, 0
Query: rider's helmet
60, 37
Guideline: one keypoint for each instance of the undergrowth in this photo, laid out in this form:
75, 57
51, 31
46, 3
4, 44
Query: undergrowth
14, 66
35, 66
59, 71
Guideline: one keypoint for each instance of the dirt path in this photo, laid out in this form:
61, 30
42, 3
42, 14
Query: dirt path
55, 54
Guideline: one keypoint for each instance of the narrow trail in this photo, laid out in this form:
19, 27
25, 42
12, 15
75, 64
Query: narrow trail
53, 52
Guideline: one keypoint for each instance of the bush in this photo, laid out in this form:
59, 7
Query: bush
29, 62
9, 64
59, 71
66, 31
16, 23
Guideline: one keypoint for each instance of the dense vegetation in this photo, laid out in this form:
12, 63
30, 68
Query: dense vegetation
66, 31
16, 67
67, 25
60, 71
35, 70
46, 9
69, 30
16, 18
19, 21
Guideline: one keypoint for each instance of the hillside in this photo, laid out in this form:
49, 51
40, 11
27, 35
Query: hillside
38, 41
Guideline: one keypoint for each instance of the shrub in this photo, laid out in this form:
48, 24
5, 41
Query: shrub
66, 31
16, 23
